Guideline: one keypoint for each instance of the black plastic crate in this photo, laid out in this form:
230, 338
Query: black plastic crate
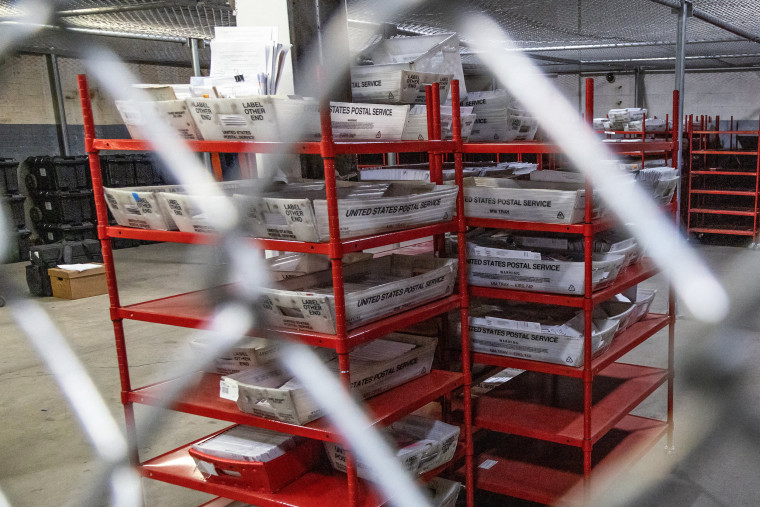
118, 171
70, 252
53, 233
14, 207
145, 171
121, 243
19, 248
48, 174
63, 208
38, 281
8, 176
82, 251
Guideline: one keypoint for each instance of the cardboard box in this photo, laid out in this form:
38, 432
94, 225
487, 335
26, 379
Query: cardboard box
427, 444
73, 284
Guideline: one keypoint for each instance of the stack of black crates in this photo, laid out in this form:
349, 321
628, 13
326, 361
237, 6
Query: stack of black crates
61, 190
14, 207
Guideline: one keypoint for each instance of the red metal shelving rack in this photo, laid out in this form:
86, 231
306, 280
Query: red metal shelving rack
578, 416
320, 487
716, 194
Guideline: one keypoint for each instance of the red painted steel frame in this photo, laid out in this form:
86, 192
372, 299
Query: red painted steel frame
465, 299
101, 212
389, 406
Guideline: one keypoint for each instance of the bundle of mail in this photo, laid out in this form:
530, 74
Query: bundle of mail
499, 118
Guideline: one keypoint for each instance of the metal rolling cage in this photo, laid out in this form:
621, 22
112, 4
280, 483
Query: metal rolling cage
559, 37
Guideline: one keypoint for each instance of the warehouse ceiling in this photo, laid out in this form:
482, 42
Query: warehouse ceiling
561, 36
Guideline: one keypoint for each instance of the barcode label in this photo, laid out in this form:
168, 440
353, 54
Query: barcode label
232, 120
48, 206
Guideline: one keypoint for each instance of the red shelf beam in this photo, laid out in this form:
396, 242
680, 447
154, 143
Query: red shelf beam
733, 232
732, 212
626, 341
596, 226
627, 278
313, 148
203, 399
529, 147
723, 192
193, 310
551, 474
550, 408
349, 245
724, 173
722, 152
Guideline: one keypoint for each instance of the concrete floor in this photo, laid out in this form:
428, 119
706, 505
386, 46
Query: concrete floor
46, 460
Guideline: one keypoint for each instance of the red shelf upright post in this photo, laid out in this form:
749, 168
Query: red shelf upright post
463, 294
757, 185
336, 260
101, 212
588, 304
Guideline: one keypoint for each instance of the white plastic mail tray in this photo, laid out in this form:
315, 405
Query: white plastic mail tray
269, 391
423, 444
174, 112
537, 332
416, 128
299, 212
373, 290
493, 260
141, 207
251, 352
509, 199
394, 70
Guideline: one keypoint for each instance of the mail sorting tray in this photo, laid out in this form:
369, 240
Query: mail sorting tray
373, 289
493, 260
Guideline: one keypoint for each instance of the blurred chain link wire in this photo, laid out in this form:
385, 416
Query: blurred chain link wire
531, 24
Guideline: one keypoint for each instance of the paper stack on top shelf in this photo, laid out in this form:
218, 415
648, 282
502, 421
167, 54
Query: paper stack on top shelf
373, 290
246, 61
270, 391
395, 71
503, 260
416, 123
547, 333
423, 444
